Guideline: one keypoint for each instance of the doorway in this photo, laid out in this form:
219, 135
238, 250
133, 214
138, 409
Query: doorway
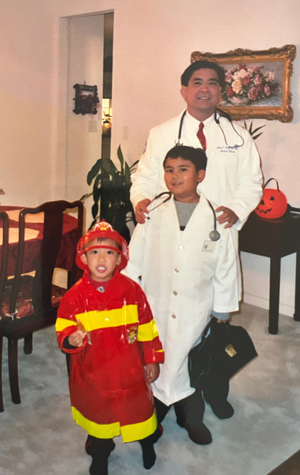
86, 51
107, 106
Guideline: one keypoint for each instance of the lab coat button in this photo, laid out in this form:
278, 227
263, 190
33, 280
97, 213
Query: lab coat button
180, 247
176, 270
174, 293
173, 315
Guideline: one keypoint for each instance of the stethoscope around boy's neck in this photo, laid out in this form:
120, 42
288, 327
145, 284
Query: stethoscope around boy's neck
214, 235
217, 114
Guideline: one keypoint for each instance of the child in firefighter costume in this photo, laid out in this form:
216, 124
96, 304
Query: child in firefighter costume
105, 323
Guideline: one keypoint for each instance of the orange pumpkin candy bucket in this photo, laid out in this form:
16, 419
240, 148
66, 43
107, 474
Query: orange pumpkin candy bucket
273, 203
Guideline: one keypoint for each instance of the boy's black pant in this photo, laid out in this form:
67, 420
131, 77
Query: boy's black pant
216, 391
101, 448
189, 412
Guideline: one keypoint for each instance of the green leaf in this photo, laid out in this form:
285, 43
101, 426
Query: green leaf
252, 131
84, 197
256, 130
95, 208
97, 190
133, 166
94, 171
111, 169
256, 136
121, 158
127, 174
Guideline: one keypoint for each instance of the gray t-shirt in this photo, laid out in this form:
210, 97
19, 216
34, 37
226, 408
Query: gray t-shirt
184, 212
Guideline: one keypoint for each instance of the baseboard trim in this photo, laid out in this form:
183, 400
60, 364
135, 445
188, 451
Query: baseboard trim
264, 303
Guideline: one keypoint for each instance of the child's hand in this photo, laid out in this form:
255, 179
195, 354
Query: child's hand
76, 338
152, 372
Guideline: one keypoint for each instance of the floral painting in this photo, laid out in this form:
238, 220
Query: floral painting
257, 82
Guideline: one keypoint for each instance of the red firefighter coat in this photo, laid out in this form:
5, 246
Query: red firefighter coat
109, 393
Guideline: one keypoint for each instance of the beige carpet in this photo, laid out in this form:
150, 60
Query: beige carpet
38, 437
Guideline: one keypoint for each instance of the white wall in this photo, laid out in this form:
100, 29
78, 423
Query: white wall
26, 101
153, 41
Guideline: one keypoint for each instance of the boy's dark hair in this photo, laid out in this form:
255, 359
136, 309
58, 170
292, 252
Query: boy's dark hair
203, 64
195, 155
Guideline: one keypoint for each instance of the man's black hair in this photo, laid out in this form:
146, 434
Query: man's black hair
203, 64
195, 155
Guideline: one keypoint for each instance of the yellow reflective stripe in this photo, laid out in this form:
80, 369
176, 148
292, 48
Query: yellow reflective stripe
129, 432
62, 323
139, 431
109, 318
101, 431
147, 331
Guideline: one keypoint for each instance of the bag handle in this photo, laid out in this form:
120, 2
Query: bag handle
270, 179
213, 324
206, 329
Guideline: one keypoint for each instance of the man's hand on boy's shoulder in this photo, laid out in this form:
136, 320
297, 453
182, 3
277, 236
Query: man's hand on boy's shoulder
141, 210
228, 216
152, 372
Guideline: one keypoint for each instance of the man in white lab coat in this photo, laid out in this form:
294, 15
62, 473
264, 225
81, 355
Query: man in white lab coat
233, 175
185, 262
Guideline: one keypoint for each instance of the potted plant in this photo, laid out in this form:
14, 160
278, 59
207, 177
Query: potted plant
111, 193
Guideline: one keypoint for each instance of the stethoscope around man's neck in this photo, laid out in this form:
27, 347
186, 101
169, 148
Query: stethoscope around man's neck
217, 114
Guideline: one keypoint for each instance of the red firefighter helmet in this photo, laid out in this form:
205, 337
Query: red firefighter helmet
102, 230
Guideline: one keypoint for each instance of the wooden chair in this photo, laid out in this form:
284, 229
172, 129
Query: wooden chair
32, 305
4, 221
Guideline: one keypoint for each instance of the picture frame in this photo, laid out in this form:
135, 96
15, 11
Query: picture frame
86, 99
257, 82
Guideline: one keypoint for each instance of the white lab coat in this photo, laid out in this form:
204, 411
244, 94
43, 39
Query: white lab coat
184, 275
233, 174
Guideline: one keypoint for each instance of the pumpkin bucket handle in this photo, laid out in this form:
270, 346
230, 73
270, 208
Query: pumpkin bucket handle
270, 179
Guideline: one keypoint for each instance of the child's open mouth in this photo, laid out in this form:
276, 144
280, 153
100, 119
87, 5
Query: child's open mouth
101, 269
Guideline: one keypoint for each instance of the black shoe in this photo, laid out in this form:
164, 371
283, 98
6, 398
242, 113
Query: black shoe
201, 435
149, 456
223, 410
99, 467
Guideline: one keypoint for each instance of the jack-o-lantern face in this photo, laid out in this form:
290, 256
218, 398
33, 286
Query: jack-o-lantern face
272, 205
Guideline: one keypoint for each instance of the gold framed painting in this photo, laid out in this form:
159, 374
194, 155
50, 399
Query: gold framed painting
257, 82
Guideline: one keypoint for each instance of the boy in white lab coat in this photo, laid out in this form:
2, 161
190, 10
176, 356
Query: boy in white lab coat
185, 262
